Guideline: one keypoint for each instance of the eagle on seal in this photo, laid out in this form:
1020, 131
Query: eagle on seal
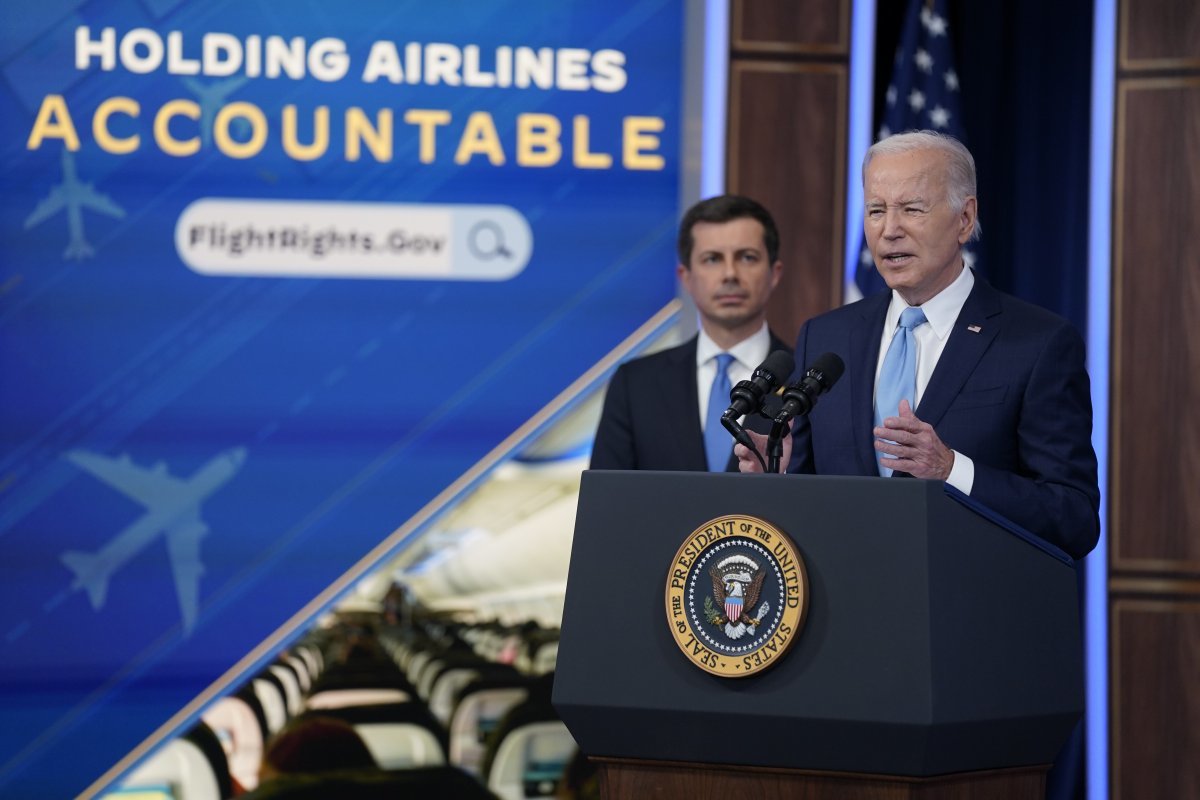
736, 590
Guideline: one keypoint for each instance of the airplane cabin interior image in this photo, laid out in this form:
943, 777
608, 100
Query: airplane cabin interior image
585, 400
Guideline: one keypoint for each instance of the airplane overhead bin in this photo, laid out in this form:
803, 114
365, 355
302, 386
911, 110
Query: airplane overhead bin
504, 553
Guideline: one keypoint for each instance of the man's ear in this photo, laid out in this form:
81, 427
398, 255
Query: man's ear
966, 220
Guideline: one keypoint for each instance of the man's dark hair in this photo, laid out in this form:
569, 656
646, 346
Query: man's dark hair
313, 743
725, 208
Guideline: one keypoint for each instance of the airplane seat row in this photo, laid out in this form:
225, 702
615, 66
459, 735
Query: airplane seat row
284, 676
428, 671
354, 696
426, 701
245, 720
545, 658
448, 684
220, 754
191, 767
206, 740
361, 663
537, 651
494, 699
362, 679
527, 753
363, 687
399, 735
268, 688
305, 674
531, 761
252, 701
478, 709
240, 727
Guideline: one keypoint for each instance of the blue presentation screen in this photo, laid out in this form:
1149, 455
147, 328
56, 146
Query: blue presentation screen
273, 275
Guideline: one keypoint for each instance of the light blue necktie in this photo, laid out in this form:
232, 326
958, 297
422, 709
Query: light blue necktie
717, 442
898, 376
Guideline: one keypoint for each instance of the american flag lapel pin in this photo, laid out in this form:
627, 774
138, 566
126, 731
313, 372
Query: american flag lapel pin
974, 328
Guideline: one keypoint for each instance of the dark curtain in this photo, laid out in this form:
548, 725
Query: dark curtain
1024, 68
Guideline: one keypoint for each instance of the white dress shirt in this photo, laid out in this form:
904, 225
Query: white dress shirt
941, 311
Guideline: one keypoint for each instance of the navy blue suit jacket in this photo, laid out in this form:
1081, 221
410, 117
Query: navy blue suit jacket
1010, 391
651, 417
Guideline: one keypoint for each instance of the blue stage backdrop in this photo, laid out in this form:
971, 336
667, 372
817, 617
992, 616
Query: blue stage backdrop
274, 274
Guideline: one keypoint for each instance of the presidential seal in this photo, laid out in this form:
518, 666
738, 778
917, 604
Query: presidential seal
737, 596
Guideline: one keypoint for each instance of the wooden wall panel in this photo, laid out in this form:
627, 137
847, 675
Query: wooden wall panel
1160, 34
791, 26
787, 120
1156, 666
1156, 377
1154, 455
787, 149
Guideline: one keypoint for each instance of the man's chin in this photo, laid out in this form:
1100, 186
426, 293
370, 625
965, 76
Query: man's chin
731, 319
894, 277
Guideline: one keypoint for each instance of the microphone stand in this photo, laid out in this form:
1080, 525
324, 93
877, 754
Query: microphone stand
742, 437
775, 444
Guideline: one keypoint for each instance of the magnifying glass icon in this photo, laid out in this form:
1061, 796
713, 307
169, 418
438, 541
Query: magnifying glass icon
486, 241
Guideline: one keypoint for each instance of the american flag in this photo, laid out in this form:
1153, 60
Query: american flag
923, 94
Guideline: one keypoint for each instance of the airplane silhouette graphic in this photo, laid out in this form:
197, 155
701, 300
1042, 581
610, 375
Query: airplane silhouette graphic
74, 196
172, 510
212, 97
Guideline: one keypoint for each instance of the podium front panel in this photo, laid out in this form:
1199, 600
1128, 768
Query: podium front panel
935, 641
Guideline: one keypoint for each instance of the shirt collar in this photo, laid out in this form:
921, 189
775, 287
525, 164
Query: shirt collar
749, 352
941, 310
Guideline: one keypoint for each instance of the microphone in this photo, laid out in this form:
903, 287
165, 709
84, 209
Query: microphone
800, 397
748, 396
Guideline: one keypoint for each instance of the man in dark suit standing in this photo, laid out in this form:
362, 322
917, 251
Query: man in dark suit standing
658, 407
946, 377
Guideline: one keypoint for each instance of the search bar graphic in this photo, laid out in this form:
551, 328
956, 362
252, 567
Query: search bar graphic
330, 239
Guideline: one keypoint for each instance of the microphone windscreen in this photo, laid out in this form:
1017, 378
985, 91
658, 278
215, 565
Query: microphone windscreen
831, 368
779, 365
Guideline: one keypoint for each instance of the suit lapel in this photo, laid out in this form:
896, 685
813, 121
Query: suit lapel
977, 326
864, 355
681, 402
778, 344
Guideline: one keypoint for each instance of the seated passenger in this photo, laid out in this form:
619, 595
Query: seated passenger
315, 744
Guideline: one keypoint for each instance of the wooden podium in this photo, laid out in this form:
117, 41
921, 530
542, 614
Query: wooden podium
627, 778
940, 658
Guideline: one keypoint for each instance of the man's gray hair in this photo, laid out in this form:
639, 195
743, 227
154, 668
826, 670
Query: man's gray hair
960, 165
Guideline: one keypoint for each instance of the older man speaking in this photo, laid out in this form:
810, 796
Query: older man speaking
946, 377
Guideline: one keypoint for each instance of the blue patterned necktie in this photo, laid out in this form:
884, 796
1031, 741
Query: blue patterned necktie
898, 376
717, 442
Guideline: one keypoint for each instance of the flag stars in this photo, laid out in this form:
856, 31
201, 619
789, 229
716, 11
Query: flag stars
922, 92
924, 61
939, 117
933, 23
